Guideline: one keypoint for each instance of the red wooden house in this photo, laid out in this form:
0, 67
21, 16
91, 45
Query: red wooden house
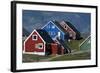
40, 43
73, 32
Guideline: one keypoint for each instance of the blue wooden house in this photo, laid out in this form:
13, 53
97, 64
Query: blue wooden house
56, 31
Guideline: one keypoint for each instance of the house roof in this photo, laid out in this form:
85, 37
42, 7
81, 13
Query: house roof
72, 27
45, 36
25, 32
88, 38
59, 26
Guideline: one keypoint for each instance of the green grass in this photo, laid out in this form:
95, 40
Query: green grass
74, 44
81, 56
34, 58
37, 58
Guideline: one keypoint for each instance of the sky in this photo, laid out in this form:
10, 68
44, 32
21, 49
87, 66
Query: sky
32, 19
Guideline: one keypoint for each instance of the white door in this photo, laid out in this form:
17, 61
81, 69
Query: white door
59, 35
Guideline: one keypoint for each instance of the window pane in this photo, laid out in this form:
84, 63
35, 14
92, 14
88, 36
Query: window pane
39, 45
53, 26
34, 37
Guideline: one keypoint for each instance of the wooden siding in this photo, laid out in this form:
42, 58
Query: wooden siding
53, 30
68, 30
30, 45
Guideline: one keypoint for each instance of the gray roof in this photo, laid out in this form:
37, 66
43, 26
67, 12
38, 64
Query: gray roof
59, 26
45, 36
72, 27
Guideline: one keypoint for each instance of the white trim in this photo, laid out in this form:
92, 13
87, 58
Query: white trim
30, 36
59, 35
46, 24
33, 38
84, 41
37, 53
51, 27
57, 27
69, 27
38, 45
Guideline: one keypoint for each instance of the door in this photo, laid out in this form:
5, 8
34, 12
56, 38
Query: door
59, 35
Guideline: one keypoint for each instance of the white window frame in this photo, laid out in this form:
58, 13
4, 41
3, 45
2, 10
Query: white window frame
65, 26
33, 36
53, 27
37, 45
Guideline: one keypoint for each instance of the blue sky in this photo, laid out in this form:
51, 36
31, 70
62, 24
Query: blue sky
36, 19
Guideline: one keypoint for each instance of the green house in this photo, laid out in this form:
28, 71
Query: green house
86, 44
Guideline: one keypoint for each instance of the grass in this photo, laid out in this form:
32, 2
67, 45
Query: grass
80, 56
66, 57
74, 44
34, 58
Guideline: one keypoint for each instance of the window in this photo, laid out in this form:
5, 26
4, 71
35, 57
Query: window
59, 35
39, 45
53, 33
48, 26
49, 33
34, 37
65, 26
71, 35
53, 26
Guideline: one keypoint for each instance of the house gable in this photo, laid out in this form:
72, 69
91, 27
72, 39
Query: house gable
65, 25
72, 27
53, 30
46, 37
68, 29
34, 46
73, 32
31, 35
53, 24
